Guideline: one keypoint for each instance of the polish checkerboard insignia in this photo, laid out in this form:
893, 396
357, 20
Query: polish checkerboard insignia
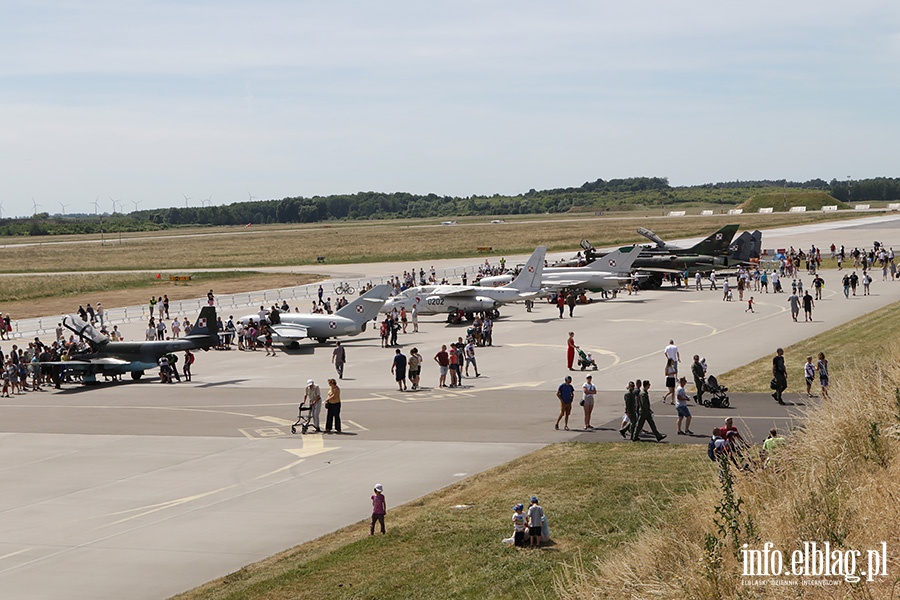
201, 322
360, 308
718, 236
531, 268
612, 263
734, 247
332, 325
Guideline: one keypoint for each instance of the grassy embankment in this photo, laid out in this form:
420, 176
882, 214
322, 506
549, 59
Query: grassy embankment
376, 242
596, 496
635, 521
836, 480
783, 201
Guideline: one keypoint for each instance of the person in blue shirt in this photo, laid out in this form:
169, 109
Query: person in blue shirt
566, 394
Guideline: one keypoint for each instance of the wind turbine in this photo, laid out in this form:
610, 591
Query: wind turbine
251, 196
97, 205
34, 206
1, 210
115, 203
186, 198
206, 201
135, 202
63, 208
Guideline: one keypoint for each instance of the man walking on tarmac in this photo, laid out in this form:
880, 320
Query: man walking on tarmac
646, 416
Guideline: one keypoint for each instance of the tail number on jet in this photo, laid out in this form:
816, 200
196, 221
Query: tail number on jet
434, 301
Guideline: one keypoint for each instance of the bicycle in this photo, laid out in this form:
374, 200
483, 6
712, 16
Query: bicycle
345, 289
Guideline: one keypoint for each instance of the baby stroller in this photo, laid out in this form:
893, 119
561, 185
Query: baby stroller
717, 398
586, 360
303, 418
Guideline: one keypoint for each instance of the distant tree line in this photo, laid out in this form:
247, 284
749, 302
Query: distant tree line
616, 194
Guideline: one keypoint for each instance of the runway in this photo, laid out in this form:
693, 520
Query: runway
143, 490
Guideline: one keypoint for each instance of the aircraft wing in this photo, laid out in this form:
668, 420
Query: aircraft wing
667, 270
290, 331
462, 292
107, 361
565, 283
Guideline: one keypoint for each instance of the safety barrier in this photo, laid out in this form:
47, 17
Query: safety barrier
797, 209
765, 211
829, 208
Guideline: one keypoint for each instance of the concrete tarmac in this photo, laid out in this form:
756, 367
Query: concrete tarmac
142, 490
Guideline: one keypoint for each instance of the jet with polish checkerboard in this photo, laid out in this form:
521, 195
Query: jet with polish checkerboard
290, 328
441, 299
105, 357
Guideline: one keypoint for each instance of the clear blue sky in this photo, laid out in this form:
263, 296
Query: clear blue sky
146, 101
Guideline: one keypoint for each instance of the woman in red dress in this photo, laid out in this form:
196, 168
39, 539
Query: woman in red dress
570, 350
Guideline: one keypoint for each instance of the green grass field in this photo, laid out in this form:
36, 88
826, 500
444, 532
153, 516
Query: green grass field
596, 497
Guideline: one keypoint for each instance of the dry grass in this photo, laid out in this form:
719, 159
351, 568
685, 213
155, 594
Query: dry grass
28, 296
836, 480
370, 242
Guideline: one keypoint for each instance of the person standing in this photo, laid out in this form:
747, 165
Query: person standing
442, 358
646, 416
339, 358
779, 375
101, 315
313, 396
570, 301
333, 407
566, 394
152, 305
570, 350
681, 407
398, 368
188, 361
589, 391
822, 368
630, 412
535, 521
415, 366
671, 352
809, 373
379, 509
415, 319
561, 303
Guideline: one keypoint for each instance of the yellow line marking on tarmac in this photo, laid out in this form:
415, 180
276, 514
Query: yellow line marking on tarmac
17, 552
312, 445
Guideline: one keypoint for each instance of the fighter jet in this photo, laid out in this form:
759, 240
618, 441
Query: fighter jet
440, 299
289, 328
606, 273
117, 358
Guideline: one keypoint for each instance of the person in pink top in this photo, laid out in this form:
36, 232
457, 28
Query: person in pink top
379, 509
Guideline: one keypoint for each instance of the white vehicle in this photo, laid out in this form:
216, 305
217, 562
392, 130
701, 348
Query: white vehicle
440, 299
350, 320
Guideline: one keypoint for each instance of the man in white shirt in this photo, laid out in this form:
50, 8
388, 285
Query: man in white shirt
671, 352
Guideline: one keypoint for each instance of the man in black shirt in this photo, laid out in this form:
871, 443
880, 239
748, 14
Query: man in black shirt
779, 375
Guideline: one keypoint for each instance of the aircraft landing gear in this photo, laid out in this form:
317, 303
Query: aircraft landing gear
137, 375
321, 340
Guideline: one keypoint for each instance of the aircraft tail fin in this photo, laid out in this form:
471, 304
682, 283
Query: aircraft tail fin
206, 326
616, 261
746, 247
716, 244
366, 307
529, 279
